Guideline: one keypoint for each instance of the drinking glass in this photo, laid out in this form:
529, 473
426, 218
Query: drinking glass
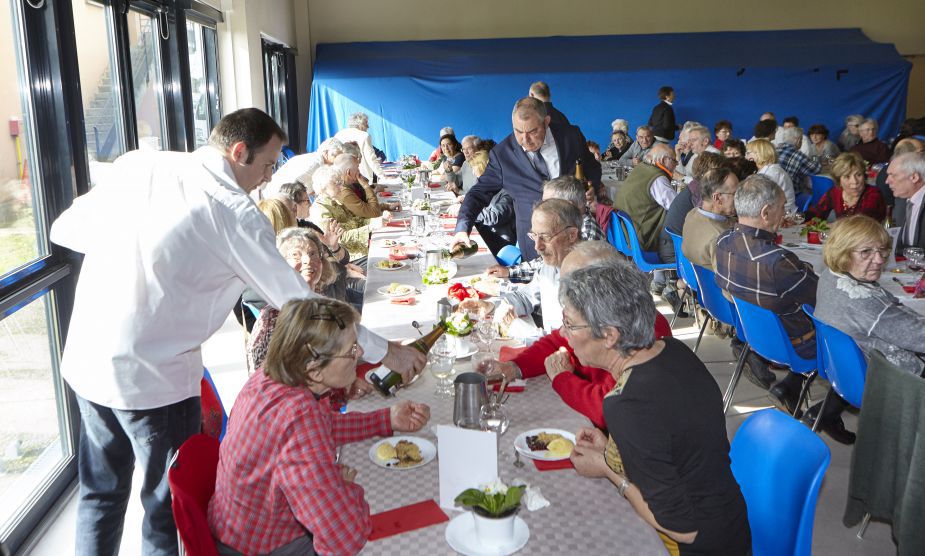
915, 261
486, 331
492, 417
442, 358
795, 218
483, 362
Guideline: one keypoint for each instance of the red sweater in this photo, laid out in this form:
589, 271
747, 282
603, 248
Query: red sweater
584, 389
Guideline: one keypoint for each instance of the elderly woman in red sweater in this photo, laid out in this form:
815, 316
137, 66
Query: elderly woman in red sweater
851, 194
581, 388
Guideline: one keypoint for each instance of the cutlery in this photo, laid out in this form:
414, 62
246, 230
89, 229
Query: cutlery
517, 463
417, 326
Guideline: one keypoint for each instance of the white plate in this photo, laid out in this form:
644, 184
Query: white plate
460, 535
428, 451
451, 270
401, 265
404, 289
520, 444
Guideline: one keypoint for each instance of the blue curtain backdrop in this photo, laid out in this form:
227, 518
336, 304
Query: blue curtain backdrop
411, 89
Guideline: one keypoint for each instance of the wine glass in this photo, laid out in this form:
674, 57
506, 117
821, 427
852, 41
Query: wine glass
492, 417
442, 357
795, 218
486, 331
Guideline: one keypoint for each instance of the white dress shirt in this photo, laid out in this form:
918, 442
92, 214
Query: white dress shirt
369, 166
782, 179
170, 244
662, 192
542, 291
298, 168
913, 209
550, 155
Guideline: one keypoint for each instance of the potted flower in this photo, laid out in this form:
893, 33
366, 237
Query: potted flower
459, 326
813, 228
494, 507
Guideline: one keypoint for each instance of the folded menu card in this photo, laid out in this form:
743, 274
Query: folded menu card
467, 458
407, 518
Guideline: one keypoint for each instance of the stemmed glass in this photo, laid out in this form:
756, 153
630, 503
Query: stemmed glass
486, 331
492, 417
442, 358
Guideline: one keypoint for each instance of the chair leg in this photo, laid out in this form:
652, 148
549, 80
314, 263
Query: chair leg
803, 391
727, 397
864, 523
818, 419
681, 307
706, 321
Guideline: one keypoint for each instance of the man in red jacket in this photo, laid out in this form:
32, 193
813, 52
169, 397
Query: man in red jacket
581, 388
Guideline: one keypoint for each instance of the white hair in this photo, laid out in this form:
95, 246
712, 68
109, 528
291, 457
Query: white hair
872, 122
754, 193
790, 135
327, 180
474, 139
446, 131
357, 120
331, 147
620, 124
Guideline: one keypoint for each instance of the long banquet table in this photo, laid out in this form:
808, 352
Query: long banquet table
585, 515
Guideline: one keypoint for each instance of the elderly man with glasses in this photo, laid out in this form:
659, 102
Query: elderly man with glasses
637, 151
871, 148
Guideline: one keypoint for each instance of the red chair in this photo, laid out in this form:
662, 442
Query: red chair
192, 482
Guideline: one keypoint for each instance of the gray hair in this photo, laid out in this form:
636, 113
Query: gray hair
446, 131
529, 104
658, 154
345, 162
598, 251
613, 294
872, 122
474, 139
567, 188
690, 124
291, 191
754, 193
331, 147
913, 162
357, 119
351, 147
620, 124
700, 130
854, 119
789, 135
643, 128
565, 212
540, 90
289, 236
327, 180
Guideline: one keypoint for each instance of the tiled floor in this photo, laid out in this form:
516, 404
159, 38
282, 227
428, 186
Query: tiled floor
224, 356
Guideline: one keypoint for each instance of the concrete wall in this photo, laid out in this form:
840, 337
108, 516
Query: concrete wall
895, 21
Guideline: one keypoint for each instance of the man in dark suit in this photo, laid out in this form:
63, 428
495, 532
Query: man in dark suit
906, 178
662, 120
540, 91
535, 152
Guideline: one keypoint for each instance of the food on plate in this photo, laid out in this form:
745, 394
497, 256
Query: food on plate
435, 275
387, 264
459, 292
390, 243
408, 453
489, 285
386, 451
459, 324
399, 289
560, 447
540, 441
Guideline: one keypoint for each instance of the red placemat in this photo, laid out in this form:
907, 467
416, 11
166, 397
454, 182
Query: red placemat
407, 518
385, 193
398, 222
508, 353
553, 465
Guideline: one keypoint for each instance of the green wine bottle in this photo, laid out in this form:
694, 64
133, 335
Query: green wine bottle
390, 383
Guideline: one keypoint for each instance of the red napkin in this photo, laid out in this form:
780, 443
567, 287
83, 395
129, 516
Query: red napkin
553, 465
407, 518
402, 301
398, 222
385, 193
510, 388
508, 353
434, 185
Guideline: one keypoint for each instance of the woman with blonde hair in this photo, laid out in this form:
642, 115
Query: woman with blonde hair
762, 153
280, 215
850, 297
279, 488
851, 194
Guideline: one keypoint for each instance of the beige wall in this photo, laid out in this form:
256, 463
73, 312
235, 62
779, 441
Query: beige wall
896, 21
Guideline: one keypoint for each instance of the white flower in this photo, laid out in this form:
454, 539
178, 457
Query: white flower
495, 487
854, 289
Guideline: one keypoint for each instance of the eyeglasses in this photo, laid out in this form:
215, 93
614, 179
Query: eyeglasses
573, 327
352, 354
869, 252
545, 237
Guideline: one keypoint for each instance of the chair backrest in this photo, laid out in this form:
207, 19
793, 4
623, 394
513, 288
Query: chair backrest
214, 416
712, 297
765, 334
617, 236
509, 255
844, 362
821, 184
685, 266
779, 465
192, 483
646, 261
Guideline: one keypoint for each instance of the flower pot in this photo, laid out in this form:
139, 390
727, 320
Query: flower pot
494, 532
813, 237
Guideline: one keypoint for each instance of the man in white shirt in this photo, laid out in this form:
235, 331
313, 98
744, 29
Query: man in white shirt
155, 283
357, 130
906, 178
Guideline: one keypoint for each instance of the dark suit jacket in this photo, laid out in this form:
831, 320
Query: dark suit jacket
510, 168
662, 121
919, 234
555, 116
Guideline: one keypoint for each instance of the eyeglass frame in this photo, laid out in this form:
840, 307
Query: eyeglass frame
573, 327
868, 252
547, 238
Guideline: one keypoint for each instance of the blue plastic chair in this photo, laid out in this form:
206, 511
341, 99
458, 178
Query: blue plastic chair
509, 255
617, 236
779, 465
841, 361
821, 185
803, 200
712, 299
766, 337
208, 377
646, 261
686, 272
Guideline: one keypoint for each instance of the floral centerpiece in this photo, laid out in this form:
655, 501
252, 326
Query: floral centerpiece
421, 205
813, 228
494, 507
409, 162
407, 177
459, 324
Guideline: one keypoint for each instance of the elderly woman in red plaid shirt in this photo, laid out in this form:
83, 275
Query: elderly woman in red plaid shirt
279, 489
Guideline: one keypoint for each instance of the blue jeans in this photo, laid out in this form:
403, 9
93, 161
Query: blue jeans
110, 442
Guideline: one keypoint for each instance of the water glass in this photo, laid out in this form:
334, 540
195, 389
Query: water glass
442, 358
486, 331
492, 417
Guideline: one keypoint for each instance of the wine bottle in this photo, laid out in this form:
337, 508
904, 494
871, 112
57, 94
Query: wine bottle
580, 175
461, 251
390, 383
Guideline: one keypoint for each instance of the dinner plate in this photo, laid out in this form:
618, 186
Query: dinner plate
427, 448
460, 535
400, 291
451, 270
520, 444
401, 264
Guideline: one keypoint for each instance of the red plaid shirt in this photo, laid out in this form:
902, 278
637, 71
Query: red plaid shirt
276, 472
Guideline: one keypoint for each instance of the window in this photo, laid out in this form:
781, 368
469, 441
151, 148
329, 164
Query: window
280, 86
203, 66
143, 34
